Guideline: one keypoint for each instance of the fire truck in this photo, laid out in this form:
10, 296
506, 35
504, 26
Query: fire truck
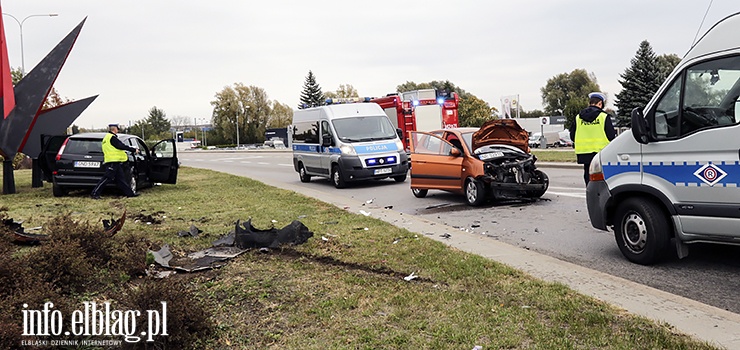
420, 110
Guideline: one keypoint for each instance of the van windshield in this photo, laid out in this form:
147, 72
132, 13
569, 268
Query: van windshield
359, 129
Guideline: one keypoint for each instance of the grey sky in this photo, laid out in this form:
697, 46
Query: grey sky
177, 55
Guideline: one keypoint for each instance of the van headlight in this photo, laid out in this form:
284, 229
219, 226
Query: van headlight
348, 150
399, 145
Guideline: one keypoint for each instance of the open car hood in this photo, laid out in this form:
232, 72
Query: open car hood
501, 131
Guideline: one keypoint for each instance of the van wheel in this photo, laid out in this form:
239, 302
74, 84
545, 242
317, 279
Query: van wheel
642, 231
336, 177
474, 192
400, 178
419, 193
302, 173
58, 191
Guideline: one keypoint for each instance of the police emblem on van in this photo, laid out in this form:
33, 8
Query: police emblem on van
710, 174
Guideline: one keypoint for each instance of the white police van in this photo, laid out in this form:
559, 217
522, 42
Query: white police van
676, 176
347, 142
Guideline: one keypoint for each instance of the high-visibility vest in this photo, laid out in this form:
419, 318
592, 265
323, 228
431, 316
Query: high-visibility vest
590, 136
110, 153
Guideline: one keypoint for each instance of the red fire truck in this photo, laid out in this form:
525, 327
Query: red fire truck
422, 110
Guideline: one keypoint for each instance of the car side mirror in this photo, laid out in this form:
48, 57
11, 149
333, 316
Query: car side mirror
326, 140
455, 152
639, 127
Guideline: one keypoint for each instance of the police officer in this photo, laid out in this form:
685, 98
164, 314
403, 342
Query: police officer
591, 131
114, 156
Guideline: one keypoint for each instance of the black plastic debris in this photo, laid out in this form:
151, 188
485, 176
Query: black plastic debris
192, 232
227, 240
20, 235
247, 236
206, 259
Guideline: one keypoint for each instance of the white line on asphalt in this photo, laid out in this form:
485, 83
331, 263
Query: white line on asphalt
245, 162
285, 164
567, 194
567, 188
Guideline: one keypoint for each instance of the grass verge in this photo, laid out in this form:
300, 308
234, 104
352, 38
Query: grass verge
346, 292
566, 155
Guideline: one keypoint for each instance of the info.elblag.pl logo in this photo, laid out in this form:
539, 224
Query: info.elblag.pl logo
96, 320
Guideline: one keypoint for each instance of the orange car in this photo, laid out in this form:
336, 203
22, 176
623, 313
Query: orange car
490, 162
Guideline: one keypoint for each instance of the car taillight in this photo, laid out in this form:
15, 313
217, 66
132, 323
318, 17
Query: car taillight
61, 150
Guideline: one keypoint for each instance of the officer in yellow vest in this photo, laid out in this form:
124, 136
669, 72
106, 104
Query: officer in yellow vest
591, 131
114, 156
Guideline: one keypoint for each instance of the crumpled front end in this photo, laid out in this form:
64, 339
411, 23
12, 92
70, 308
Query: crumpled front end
513, 175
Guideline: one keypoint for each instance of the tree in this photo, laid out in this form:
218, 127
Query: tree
158, 122
281, 116
561, 88
343, 91
311, 96
639, 82
249, 105
666, 64
473, 112
180, 121
471, 108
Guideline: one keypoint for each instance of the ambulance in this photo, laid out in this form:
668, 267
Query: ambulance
347, 142
674, 180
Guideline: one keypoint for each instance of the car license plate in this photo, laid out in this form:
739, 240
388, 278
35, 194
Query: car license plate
382, 171
491, 155
83, 164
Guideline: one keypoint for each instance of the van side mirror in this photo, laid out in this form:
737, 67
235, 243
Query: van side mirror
400, 133
639, 127
455, 152
326, 140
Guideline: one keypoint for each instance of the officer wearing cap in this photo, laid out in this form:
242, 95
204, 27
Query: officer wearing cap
591, 131
114, 156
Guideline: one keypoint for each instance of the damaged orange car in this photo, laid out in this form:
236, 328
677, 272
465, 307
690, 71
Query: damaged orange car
492, 162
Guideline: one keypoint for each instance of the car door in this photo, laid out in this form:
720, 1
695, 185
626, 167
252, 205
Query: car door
695, 156
49, 149
163, 162
432, 166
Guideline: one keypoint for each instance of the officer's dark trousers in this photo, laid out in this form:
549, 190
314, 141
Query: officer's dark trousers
113, 172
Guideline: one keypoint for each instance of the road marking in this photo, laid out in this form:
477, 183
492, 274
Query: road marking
286, 165
568, 194
245, 162
567, 188
263, 163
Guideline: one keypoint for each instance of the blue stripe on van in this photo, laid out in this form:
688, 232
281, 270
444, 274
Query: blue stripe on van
315, 149
384, 147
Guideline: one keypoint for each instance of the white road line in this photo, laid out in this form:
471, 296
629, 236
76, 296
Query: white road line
263, 163
567, 188
286, 165
245, 162
574, 195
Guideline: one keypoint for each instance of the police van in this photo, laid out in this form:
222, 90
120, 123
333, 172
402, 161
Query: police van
675, 179
347, 142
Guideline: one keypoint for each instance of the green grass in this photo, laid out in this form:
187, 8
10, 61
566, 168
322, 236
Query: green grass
565, 155
348, 292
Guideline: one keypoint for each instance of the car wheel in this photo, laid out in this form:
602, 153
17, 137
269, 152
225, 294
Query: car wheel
539, 178
58, 191
419, 193
336, 177
132, 181
302, 173
474, 192
642, 231
400, 178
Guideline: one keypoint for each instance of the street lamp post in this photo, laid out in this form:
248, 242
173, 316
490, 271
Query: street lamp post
20, 26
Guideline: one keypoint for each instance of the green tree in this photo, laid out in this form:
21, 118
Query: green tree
562, 88
281, 116
471, 108
666, 64
343, 91
158, 122
249, 105
639, 82
535, 113
473, 112
311, 96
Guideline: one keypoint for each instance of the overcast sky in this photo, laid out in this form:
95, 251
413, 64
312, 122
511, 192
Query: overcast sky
177, 55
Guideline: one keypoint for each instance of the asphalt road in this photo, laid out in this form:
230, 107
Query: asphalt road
557, 225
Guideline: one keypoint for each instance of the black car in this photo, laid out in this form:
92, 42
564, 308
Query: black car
76, 162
